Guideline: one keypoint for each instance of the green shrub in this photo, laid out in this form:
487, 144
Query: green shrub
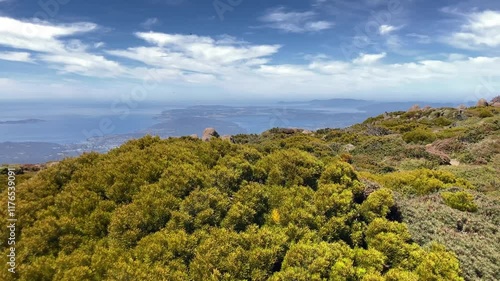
485, 113
450, 133
442, 121
420, 182
419, 136
462, 201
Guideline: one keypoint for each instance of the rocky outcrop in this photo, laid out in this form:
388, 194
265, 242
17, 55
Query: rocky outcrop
209, 133
52, 164
414, 108
482, 103
194, 136
495, 100
348, 147
307, 132
31, 167
228, 138
290, 131
496, 104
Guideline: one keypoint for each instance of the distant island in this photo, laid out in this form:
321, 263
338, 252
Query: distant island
23, 121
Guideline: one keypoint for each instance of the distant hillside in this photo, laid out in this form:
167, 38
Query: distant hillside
408, 195
24, 121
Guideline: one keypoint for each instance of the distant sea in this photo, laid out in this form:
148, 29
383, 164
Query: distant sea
64, 123
42, 131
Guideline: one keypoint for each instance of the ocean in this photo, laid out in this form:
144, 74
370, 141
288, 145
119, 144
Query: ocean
65, 123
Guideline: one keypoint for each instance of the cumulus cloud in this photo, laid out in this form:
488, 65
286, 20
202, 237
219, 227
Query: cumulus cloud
40, 37
48, 44
231, 65
192, 53
294, 22
481, 30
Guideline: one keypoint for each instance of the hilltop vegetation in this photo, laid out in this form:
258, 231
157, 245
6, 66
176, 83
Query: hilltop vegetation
377, 201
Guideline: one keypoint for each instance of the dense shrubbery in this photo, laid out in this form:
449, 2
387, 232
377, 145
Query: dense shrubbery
188, 210
278, 206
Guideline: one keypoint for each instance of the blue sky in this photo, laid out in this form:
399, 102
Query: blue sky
243, 49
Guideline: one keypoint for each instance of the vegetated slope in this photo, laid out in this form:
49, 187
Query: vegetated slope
364, 203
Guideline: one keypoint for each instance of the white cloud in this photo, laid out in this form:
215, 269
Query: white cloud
194, 53
369, 58
318, 25
285, 70
99, 45
481, 30
48, 43
386, 29
40, 37
83, 64
456, 57
329, 67
229, 65
420, 38
294, 22
16, 56
150, 22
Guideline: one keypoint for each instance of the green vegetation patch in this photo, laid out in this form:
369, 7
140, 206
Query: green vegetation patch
461, 200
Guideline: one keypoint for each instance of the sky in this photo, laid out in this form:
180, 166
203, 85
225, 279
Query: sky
440, 50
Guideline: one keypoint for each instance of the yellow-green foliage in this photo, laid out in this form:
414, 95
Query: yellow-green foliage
419, 136
422, 181
182, 209
485, 113
450, 133
482, 112
277, 206
461, 200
